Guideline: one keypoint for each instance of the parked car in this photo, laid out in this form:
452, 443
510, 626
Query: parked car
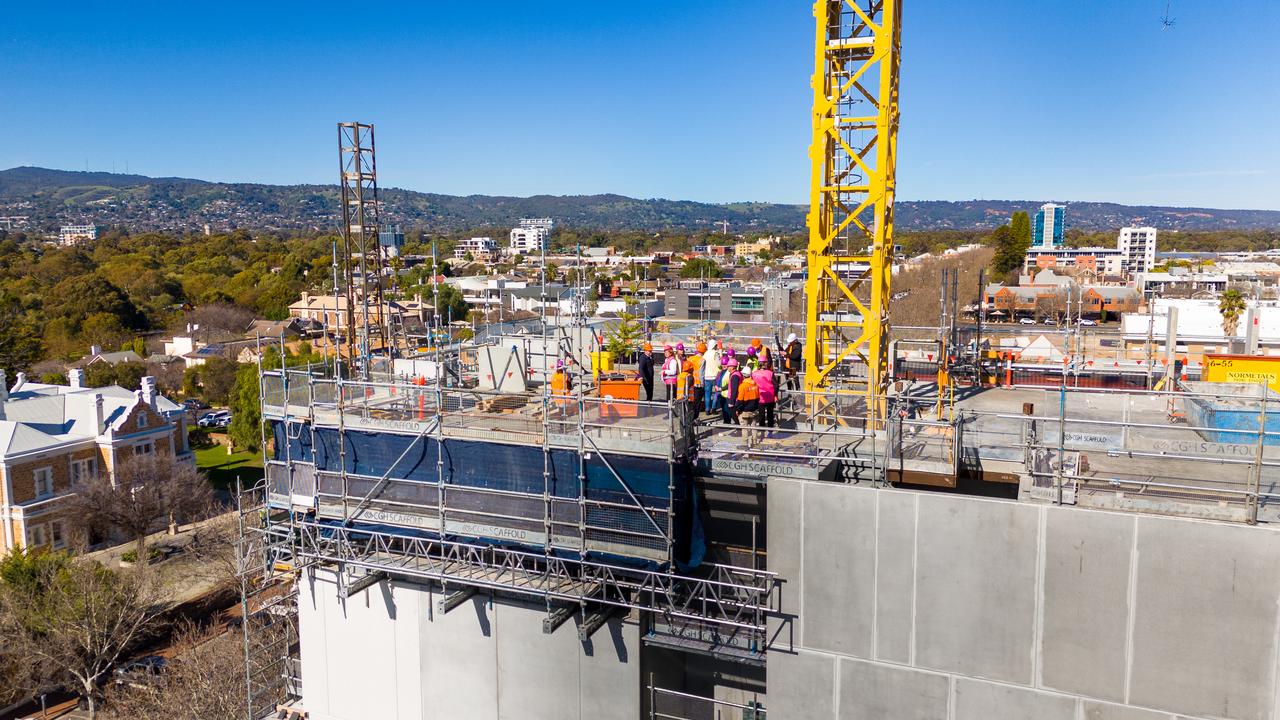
1086, 322
215, 419
1048, 321
140, 670
194, 404
1027, 321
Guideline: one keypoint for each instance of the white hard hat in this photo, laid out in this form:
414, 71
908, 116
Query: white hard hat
791, 338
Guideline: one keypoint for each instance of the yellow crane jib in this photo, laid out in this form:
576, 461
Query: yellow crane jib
853, 156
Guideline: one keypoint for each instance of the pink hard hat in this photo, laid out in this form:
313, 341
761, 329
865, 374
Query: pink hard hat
731, 362
559, 364
680, 347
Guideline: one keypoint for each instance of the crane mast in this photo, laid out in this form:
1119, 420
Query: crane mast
853, 155
365, 313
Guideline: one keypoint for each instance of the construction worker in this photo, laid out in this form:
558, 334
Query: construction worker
670, 371
644, 370
730, 380
752, 364
695, 377
792, 358
711, 376
767, 384
561, 386
747, 405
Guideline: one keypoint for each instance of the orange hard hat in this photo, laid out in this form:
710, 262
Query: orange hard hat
648, 346
755, 342
702, 347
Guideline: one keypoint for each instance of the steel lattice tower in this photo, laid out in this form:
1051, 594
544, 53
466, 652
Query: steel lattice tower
366, 321
855, 127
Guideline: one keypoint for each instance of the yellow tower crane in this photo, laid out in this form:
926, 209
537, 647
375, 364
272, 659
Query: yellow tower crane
854, 151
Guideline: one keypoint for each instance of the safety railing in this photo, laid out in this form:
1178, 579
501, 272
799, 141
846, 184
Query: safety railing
729, 597
667, 704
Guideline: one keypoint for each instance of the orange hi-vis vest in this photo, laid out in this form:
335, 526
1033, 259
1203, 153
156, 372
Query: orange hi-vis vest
748, 390
560, 383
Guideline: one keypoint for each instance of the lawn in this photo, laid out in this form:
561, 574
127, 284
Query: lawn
223, 469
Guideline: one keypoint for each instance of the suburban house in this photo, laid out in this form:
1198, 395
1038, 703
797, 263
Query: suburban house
111, 358
330, 312
55, 437
1114, 301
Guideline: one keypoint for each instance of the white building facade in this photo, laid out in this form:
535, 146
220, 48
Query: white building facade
1138, 246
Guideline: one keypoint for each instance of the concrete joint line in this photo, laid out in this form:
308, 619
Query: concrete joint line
875, 581
1132, 610
915, 564
1037, 630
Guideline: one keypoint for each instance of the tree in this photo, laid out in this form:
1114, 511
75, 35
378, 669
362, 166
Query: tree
19, 338
452, 303
204, 679
246, 414
218, 379
147, 491
700, 268
1011, 251
104, 330
72, 617
1231, 306
623, 337
125, 374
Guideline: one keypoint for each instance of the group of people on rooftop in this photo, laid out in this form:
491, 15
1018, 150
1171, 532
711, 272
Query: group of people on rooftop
742, 387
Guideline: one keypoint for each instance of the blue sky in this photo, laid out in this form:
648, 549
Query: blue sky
703, 100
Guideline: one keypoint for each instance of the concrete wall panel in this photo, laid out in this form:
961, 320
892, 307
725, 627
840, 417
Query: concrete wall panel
460, 670
978, 700
314, 657
1205, 628
839, 536
1086, 601
895, 575
871, 691
801, 686
783, 542
362, 640
610, 671
537, 673
976, 587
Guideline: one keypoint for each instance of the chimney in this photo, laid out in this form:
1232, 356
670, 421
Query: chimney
95, 350
77, 379
97, 403
149, 390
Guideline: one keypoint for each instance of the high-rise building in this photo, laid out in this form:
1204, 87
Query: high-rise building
532, 236
1049, 226
74, 234
1138, 248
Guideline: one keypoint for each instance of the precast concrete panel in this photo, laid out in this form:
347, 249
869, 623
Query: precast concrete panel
802, 685
610, 667
460, 670
1094, 710
1086, 601
976, 587
785, 499
872, 691
361, 639
407, 614
839, 536
537, 673
980, 700
895, 575
1204, 638
313, 655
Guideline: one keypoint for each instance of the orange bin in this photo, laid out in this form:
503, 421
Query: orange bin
619, 389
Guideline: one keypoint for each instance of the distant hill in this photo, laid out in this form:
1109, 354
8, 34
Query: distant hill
54, 197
